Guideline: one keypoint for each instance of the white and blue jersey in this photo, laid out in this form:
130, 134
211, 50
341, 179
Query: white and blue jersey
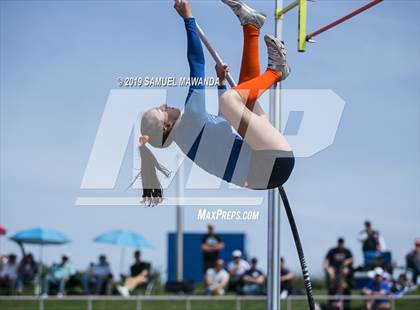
210, 141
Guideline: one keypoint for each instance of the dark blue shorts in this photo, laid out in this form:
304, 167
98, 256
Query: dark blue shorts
270, 169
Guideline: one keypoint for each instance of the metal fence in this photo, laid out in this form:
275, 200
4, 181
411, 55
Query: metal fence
185, 302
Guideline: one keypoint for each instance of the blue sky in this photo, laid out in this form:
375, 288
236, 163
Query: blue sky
60, 60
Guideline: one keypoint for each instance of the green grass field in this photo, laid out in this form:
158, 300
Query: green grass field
181, 305
195, 305
173, 305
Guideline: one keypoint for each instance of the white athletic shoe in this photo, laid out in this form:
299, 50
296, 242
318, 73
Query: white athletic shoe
246, 14
123, 291
277, 60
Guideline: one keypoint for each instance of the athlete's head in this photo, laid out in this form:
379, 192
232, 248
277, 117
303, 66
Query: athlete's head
157, 126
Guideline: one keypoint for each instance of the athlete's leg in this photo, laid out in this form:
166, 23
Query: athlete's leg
257, 130
250, 66
252, 21
251, 90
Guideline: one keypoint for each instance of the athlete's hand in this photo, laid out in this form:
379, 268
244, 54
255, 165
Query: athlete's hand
221, 72
183, 8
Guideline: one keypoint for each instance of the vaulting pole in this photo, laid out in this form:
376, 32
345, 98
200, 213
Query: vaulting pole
299, 248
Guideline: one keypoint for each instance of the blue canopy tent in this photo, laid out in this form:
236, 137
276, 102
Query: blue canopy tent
40, 236
124, 238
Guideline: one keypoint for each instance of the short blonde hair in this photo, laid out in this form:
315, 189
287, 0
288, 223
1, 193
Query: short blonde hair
153, 127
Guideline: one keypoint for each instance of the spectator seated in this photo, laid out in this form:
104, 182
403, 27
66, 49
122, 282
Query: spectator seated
141, 283
377, 289
9, 274
59, 274
216, 279
98, 276
27, 273
253, 280
402, 285
141, 276
237, 268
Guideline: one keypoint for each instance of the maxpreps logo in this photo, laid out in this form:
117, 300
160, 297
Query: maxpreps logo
310, 121
227, 215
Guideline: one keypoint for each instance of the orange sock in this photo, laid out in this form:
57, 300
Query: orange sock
251, 90
250, 67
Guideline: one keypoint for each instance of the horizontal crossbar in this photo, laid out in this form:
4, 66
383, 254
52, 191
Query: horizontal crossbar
342, 19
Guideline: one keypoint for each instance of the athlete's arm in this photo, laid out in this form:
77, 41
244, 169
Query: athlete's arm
221, 73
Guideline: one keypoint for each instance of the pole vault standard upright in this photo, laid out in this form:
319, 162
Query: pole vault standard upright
180, 223
273, 228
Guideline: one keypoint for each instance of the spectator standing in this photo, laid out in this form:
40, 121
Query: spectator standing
413, 261
27, 272
237, 268
337, 266
98, 274
216, 279
253, 280
371, 239
59, 274
8, 273
139, 274
377, 289
286, 279
211, 245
